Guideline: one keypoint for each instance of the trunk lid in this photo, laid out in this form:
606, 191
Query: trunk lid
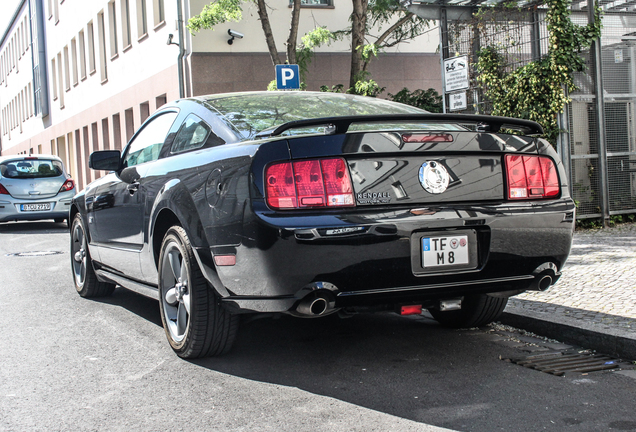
463, 166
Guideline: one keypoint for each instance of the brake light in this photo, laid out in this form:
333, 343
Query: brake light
307, 184
427, 137
67, 186
531, 177
3, 190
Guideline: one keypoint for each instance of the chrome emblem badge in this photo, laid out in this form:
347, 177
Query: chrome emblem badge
433, 177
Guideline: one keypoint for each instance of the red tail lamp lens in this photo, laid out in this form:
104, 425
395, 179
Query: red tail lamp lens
424, 138
313, 183
531, 177
67, 186
4, 191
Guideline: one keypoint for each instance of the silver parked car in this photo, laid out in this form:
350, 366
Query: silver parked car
34, 187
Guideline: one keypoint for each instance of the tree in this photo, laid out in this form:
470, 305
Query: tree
370, 15
221, 11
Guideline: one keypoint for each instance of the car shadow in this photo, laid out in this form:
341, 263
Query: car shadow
33, 227
139, 305
404, 366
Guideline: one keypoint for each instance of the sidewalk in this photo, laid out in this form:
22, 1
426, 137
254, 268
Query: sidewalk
594, 303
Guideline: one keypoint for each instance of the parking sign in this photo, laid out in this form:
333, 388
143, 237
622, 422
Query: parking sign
287, 77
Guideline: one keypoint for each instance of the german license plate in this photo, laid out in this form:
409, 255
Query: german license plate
444, 251
35, 207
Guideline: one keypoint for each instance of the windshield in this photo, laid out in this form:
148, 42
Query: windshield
31, 168
251, 113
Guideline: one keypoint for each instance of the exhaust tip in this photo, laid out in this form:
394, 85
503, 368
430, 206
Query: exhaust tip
315, 305
544, 283
318, 306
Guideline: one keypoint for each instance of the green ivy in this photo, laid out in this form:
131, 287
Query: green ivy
537, 91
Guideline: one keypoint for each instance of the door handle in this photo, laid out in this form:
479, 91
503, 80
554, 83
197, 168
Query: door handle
133, 187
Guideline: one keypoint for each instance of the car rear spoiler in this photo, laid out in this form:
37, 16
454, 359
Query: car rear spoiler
484, 123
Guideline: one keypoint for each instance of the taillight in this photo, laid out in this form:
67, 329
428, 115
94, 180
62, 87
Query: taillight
3, 190
531, 177
306, 184
67, 186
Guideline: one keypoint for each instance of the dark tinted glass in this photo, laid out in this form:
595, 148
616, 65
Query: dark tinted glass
32, 168
255, 112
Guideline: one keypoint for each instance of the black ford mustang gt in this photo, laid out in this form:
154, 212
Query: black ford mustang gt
314, 203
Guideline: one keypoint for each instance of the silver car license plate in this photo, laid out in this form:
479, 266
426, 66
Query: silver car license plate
445, 251
35, 207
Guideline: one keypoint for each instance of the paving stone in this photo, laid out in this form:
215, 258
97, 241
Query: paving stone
598, 284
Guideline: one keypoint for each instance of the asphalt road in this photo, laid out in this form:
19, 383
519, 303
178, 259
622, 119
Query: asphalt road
68, 363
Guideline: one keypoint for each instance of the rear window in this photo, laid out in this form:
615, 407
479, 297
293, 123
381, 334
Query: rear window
31, 168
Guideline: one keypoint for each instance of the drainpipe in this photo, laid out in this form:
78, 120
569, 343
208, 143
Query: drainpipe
181, 49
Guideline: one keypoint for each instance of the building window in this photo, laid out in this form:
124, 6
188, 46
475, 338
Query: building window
54, 79
50, 9
142, 21
112, 27
60, 79
101, 34
56, 12
313, 3
74, 61
144, 111
125, 23
91, 48
159, 12
67, 75
82, 55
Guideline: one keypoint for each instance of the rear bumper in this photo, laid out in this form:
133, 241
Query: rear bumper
371, 257
10, 208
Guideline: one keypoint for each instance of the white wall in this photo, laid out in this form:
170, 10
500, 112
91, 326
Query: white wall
336, 18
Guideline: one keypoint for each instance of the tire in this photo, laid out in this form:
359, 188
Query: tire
86, 282
195, 323
477, 310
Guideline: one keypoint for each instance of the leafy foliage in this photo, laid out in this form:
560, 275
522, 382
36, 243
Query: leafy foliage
537, 91
429, 99
215, 13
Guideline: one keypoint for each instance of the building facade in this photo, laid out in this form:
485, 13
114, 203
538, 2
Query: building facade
78, 76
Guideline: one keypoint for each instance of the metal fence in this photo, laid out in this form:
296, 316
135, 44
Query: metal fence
598, 148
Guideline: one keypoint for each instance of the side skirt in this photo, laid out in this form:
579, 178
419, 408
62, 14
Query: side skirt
138, 287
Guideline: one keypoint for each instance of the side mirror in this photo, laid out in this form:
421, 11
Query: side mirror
107, 160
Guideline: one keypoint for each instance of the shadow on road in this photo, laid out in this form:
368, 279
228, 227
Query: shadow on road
408, 367
33, 227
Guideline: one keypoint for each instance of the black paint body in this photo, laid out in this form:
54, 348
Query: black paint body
217, 195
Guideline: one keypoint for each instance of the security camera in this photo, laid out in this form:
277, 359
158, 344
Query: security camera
234, 34
170, 40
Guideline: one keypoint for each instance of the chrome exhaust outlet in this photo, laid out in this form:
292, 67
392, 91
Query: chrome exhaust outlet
544, 276
315, 304
314, 307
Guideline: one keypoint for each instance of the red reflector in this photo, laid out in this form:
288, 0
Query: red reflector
3, 190
312, 183
411, 310
428, 137
531, 177
225, 260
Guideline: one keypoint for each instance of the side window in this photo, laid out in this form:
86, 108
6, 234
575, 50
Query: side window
146, 146
194, 133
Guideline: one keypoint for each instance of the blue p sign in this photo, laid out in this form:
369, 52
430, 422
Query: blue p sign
287, 77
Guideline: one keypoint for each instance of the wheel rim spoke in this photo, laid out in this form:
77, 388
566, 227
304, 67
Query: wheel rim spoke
186, 302
182, 320
173, 258
171, 296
